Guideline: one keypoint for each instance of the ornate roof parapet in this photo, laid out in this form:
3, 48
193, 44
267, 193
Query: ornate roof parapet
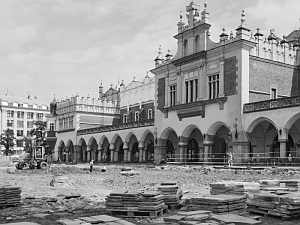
242, 32
159, 59
273, 48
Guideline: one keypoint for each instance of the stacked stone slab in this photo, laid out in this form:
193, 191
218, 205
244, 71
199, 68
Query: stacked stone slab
284, 206
217, 203
9, 196
135, 204
172, 193
233, 188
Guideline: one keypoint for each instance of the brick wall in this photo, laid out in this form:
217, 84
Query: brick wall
265, 74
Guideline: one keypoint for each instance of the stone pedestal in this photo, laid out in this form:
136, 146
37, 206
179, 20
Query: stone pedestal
126, 155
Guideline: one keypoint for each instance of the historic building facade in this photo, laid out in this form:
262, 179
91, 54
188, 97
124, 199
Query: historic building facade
19, 116
237, 95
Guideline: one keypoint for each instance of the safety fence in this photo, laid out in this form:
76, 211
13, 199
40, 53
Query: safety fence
247, 159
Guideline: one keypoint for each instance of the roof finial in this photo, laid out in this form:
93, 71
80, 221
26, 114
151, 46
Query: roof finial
204, 13
243, 18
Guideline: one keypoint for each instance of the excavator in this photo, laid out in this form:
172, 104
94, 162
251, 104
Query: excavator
35, 160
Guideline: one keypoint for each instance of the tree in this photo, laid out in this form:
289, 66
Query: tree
38, 134
7, 140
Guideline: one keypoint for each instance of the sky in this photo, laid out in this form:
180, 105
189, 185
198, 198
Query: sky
66, 47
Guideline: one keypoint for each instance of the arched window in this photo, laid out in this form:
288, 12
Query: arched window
185, 47
197, 43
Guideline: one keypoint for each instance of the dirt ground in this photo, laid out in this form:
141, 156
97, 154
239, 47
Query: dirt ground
93, 187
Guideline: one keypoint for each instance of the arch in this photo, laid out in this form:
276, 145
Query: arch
102, 140
61, 150
69, 152
148, 144
93, 149
129, 136
212, 130
288, 125
264, 143
115, 138
169, 144
221, 144
118, 144
82, 153
133, 147
144, 136
194, 140
257, 121
189, 130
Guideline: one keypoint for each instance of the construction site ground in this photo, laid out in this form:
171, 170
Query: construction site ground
71, 191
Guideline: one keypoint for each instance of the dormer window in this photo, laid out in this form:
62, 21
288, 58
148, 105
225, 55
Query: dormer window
185, 47
197, 43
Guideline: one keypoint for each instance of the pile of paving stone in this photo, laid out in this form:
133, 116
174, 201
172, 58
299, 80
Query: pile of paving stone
233, 188
283, 205
216, 203
280, 185
101, 219
134, 204
208, 218
9, 196
172, 193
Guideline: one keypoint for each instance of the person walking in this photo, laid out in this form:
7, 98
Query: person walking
91, 165
230, 159
290, 159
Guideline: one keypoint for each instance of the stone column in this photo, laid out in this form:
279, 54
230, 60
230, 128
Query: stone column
76, 153
88, 159
283, 148
240, 151
159, 153
100, 155
141, 154
126, 155
207, 151
182, 152
112, 152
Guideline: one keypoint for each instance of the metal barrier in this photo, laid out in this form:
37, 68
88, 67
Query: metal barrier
247, 159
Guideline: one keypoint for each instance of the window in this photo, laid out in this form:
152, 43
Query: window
213, 84
71, 122
10, 123
273, 93
29, 124
10, 113
186, 91
30, 115
191, 91
150, 114
20, 105
60, 123
137, 116
185, 47
20, 124
20, 115
39, 116
20, 133
197, 43
125, 118
20, 143
172, 95
52, 127
196, 89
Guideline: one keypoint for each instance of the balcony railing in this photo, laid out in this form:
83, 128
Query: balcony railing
272, 104
94, 130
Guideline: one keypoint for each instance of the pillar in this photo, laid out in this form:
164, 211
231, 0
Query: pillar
126, 155
240, 151
112, 152
207, 151
77, 153
141, 154
159, 153
182, 152
282, 148
100, 155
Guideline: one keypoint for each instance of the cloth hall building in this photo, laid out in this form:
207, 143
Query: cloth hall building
239, 95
